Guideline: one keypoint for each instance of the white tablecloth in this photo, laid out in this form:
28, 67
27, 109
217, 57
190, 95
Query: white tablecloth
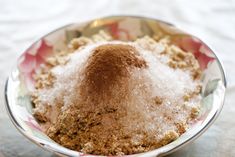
24, 21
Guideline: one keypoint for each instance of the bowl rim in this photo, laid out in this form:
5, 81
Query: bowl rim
159, 151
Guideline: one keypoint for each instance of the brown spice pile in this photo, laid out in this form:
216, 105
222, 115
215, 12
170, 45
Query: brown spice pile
108, 65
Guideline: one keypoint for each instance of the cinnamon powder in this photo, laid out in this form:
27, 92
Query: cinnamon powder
108, 65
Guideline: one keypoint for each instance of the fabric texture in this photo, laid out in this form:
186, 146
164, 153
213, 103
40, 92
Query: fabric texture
22, 22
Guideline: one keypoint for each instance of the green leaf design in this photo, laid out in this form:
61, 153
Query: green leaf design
25, 102
210, 87
207, 103
70, 34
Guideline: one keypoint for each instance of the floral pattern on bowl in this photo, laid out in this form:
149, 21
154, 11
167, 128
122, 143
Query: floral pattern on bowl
21, 81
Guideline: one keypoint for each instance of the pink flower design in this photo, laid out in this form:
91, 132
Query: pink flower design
116, 31
201, 51
32, 124
31, 60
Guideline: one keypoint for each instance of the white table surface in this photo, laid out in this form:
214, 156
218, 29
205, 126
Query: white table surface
24, 21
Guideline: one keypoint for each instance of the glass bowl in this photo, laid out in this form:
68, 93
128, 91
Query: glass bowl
21, 82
